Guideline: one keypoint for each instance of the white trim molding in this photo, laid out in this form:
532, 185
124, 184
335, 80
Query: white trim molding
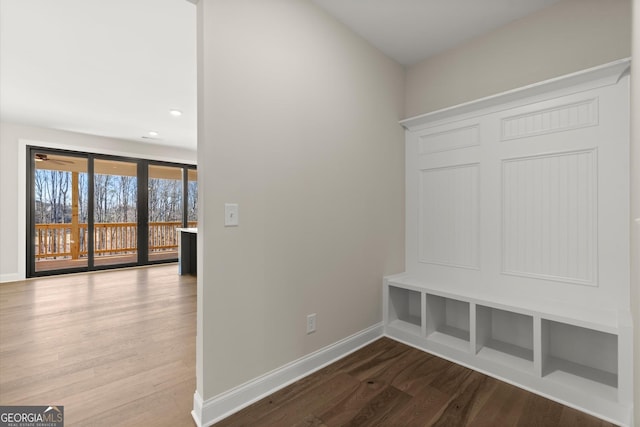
603, 75
13, 277
209, 412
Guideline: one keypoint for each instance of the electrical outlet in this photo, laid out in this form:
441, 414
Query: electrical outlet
311, 323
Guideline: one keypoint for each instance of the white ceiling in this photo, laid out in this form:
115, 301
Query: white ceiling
412, 30
116, 67
104, 67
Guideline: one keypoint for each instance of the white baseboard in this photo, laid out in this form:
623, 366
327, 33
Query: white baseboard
197, 408
206, 413
9, 277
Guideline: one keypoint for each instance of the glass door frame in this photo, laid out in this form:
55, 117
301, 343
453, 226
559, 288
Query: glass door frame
142, 209
30, 211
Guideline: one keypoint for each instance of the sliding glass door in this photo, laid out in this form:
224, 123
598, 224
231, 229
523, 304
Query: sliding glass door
88, 211
59, 195
115, 212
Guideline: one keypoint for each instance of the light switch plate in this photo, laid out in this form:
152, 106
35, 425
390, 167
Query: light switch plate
231, 215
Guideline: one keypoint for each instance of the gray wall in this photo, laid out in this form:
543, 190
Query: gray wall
564, 38
299, 126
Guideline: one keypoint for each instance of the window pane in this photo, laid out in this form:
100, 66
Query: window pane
165, 211
115, 212
60, 211
192, 198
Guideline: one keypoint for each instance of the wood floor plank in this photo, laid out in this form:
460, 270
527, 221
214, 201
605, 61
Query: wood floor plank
310, 421
379, 363
145, 410
293, 411
348, 407
348, 363
458, 409
391, 369
503, 407
540, 413
424, 371
422, 408
380, 409
115, 348
450, 379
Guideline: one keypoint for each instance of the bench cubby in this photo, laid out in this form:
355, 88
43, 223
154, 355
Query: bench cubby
582, 357
506, 336
574, 360
405, 308
447, 321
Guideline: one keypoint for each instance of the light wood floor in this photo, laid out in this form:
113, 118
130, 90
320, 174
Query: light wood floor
117, 348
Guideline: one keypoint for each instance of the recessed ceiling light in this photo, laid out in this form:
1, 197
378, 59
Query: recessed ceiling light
153, 133
175, 113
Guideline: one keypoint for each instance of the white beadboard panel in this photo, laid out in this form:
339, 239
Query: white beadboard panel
547, 272
462, 137
448, 218
549, 120
549, 214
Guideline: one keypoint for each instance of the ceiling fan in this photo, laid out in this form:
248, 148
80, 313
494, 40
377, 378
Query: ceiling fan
40, 157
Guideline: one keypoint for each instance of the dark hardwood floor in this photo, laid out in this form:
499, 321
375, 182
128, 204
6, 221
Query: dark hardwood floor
117, 348
390, 384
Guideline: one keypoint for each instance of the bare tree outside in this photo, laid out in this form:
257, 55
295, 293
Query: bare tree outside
192, 196
165, 207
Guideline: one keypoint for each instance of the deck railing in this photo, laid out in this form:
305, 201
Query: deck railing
58, 240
